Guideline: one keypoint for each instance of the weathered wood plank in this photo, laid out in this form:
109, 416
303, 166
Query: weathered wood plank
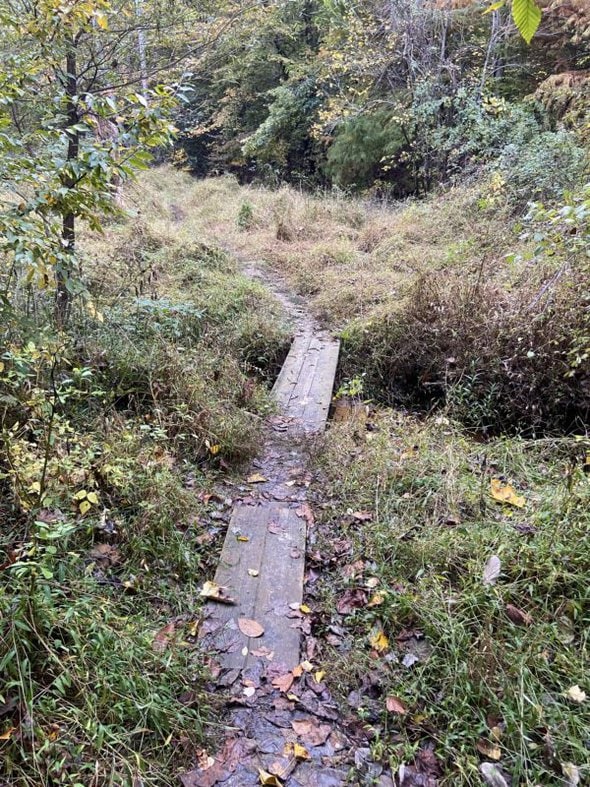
275, 547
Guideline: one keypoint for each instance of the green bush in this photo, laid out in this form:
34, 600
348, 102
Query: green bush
501, 359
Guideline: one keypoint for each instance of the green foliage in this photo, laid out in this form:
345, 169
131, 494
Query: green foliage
473, 667
245, 218
362, 149
527, 18
542, 166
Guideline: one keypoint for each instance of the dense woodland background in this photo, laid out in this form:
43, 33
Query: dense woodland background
417, 171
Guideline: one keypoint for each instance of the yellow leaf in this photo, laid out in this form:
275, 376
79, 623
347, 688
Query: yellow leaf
296, 750
489, 750
243, 538
101, 21
92, 498
269, 779
376, 600
505, 493
379, 641
1, 366
256, 478
320, 675
81, 494
6, 736
85, 507
305, 609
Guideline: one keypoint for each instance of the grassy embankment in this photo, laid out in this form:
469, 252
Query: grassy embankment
434, 311
113, 435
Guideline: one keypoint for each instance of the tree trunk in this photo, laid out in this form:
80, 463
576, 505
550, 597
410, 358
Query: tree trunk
68, 234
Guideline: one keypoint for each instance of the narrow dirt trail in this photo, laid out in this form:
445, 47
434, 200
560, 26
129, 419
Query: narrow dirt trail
281, 725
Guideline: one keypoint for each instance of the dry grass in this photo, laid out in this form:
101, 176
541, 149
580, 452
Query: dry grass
352, 258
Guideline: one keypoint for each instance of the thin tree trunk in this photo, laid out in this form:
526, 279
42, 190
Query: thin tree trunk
68, 234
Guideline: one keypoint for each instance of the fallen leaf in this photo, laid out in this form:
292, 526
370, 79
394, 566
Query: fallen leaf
572, 773
163, 638
294, 749
518, 616
204, 760
576, 694
6, 736
263, 653
251, 628
492, 570
312, 732
363, 516
275, 528
305, 609
379, 641
215, 592
351, 599
304, 512
489, 750
372, 583
269, 779
249, 691
284, 682
105, 554
243, 539
376, 600
492, 775
319, 676
505, 493
395, 705
256, 478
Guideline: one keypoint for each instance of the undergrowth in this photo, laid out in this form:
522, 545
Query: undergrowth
465, 298
112, 433
492, 672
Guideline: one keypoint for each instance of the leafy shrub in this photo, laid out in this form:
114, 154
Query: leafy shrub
245, 218
542, 167
357, 156
501, 359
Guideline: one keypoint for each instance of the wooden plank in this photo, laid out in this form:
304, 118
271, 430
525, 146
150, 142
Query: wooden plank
317, 408
292, 368
278, 557
281, 585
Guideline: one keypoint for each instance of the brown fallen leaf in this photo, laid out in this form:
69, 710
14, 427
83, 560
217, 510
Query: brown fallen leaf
214, 592
7, 735
256, 478
395, 705
284, 682
304, 512
518, 616
251, 628
105, 554
351, 599
490, 750
311, 731
163, 638
363, 516
275, 528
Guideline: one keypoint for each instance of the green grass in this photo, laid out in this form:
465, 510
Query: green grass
435, 526
158, 387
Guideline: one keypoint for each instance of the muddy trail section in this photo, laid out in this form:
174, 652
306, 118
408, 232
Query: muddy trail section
280, 724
